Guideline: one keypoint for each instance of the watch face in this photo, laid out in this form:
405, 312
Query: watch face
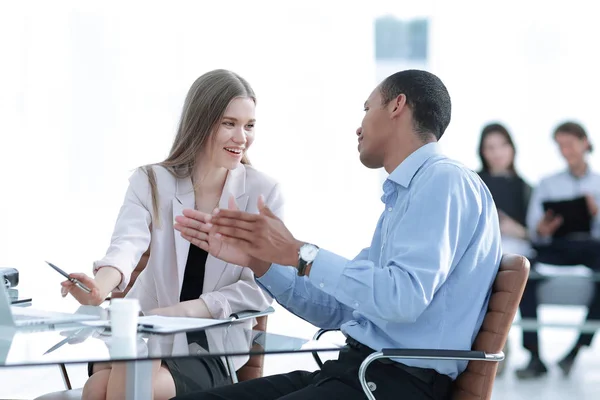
308, 252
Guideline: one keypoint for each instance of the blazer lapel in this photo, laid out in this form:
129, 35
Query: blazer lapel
234, 185
184, 198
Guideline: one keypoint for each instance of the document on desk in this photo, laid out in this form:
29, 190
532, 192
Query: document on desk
160, 324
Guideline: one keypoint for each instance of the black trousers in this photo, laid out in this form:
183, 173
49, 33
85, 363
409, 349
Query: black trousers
338, 379
562, 252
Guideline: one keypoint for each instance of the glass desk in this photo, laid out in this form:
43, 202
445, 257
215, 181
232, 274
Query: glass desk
75, 343
69, 344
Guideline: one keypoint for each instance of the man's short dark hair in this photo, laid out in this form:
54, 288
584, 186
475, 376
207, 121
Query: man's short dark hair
426, 96
573, 128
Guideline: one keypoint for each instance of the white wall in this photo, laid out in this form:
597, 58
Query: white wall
529, 64
94, 91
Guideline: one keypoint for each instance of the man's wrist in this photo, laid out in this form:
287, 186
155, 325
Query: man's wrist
259, 267
292, 258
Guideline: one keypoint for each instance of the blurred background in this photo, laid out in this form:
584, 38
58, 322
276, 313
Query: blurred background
91, 90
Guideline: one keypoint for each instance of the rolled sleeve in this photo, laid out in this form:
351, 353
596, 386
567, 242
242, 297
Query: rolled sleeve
217, 305
326, 271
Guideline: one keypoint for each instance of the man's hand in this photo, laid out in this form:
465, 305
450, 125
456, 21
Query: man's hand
263, 236
592, 206
196, 228
549, 224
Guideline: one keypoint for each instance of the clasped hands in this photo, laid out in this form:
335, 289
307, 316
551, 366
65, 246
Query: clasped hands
237, 237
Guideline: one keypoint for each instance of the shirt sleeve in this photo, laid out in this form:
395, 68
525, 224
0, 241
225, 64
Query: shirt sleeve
300, 297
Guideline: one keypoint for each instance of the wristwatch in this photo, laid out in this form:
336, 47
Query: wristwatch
306, 255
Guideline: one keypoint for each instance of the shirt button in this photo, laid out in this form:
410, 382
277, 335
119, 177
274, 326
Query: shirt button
269, 287
321, 285
356, 304
390, 209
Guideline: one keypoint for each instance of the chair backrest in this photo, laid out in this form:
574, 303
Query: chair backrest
477, 381
252, 369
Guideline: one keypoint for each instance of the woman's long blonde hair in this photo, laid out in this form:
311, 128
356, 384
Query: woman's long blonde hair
203, 110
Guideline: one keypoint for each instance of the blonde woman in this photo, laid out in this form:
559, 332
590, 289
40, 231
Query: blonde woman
207, 166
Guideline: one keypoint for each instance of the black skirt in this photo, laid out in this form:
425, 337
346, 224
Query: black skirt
197, 374
192, 374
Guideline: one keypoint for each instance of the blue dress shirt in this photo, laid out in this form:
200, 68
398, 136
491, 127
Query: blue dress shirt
426, 279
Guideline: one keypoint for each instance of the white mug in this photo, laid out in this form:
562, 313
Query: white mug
124, 314
123, 347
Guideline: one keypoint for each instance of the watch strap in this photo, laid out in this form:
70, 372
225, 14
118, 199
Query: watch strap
301, 267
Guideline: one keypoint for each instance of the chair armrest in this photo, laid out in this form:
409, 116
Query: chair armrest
317, 336
321, 332
469, 355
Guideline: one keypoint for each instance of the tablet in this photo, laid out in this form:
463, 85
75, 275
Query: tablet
575, 213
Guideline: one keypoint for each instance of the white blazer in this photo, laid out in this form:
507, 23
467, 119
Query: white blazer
227, 288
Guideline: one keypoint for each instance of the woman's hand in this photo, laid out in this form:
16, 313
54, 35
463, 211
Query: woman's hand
94, 298
195, 227
510, 227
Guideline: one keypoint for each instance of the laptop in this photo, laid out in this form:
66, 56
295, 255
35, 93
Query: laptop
16, 317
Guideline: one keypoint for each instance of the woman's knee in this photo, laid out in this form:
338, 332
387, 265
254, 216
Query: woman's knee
164, 385
95, 387
100, 366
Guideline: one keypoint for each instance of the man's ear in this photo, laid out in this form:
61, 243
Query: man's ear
397, 105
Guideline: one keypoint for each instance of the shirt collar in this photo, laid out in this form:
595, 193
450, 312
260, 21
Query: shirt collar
407, 169
585, 175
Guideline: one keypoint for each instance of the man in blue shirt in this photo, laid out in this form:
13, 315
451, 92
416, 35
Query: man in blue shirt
424, 282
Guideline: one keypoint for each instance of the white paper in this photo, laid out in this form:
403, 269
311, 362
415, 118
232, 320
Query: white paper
167, 324
178, 323
100, 322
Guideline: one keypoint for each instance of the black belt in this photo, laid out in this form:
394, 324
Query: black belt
439, 382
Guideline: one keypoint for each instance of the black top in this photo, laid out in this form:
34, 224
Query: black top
191, 289
193, 279
511, 194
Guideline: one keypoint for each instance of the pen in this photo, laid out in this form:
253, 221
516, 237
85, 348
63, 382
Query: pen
20, 301
76, 282
81, 285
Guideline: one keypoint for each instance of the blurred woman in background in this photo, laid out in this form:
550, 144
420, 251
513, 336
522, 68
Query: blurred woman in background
510, 192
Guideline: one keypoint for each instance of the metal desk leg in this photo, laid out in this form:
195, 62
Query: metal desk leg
231, 369
138, 380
